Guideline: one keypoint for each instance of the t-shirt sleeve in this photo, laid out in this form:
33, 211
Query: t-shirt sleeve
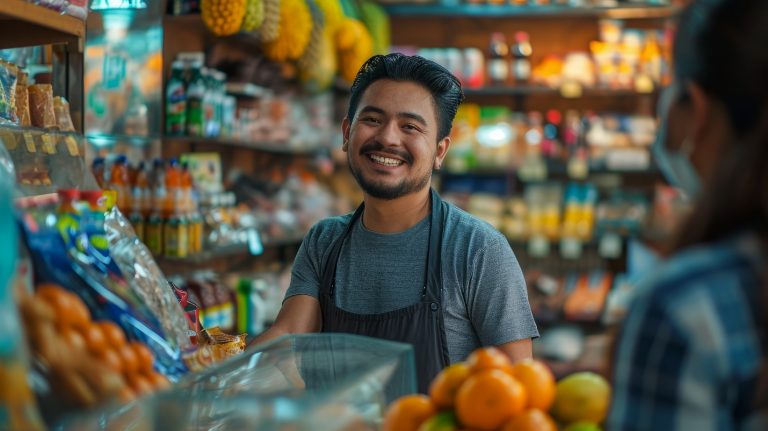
306, 271
497, 298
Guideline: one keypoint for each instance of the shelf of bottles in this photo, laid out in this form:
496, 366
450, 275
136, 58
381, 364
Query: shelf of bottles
476, 9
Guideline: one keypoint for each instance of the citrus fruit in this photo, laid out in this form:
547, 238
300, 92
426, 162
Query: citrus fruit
582, 426
531, 420
583, 396
94, 339
443, 421
445, 385
539, 383
408, 413
144, 356
112, 333
488, 399
488, 358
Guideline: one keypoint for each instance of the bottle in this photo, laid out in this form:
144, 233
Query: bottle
176, 101
190, 209
195, 94
176, 228
119, 182
498, 60
551, 143
521, 58
153, 230
139, 190
97, 168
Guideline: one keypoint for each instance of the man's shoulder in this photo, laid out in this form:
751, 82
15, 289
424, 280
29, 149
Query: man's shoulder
327, 229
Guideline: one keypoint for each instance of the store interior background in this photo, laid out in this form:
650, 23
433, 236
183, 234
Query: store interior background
559, 161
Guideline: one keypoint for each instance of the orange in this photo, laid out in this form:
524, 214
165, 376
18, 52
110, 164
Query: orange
445, 385
70, 309
488, 358
129, 358
583, 396
539, 383
531, 420
113, 334
488, 399
111, 359
73, 339
408, 413
94, 339
158, 380
139, 384
144, 356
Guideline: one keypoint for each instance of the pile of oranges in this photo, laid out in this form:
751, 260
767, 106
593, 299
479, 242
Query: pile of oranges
489, 392
89, 362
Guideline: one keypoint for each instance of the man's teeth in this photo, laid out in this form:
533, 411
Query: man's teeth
385, 160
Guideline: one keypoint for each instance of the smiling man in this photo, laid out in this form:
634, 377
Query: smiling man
407, 266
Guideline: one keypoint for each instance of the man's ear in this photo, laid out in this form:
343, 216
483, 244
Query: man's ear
345, 125
442, 150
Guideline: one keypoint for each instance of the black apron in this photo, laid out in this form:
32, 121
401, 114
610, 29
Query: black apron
420, 325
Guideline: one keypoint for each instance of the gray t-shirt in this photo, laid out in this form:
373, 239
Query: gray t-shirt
484, 297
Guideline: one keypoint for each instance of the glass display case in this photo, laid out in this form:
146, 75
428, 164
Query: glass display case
296, 382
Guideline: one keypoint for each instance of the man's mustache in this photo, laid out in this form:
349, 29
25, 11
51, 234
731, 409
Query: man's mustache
379, 147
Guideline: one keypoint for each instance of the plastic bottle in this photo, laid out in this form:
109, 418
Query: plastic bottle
498, 60
97, 168
119, 182
153, 235
190, 208
521, 58
195, 93
139, 189
176, 101
176, 229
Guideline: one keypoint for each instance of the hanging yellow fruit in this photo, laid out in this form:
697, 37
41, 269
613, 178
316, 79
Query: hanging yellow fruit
295, 29
354, 45
317, 66
254, 15
376, 20
270, 28
223, 17
332, 13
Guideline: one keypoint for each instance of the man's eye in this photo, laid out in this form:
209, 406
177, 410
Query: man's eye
369, 120
411, 127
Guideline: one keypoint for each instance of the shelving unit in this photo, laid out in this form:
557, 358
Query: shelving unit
284, 148
534, 90
512, 11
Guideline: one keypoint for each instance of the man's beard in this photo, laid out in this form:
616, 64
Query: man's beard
388, 192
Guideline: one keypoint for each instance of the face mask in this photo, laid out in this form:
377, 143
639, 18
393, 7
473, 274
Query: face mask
676, 165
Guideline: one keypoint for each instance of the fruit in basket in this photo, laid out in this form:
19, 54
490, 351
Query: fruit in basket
488, 399
69, 309
539, 383
222, 17
582, 426
583, 396
443, 421
489, 358
408, 413
531, 420
292, 39
446, 384
254, 15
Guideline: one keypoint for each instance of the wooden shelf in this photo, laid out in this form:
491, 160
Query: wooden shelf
285, 148
512, 11
536, 90
26, 24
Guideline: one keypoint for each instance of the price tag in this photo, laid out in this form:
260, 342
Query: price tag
48, 145
72, 147
610, 246
570, 248
29, 141
9, 140
255, 245
538, 246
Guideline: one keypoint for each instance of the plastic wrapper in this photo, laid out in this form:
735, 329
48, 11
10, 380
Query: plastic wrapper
74, 253
41, 105
8, 78
57, 5
61, 111
301, 382
141, 271
77, 9
22, 101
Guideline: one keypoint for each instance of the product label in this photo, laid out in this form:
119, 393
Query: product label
227, 315
176, 109
498, 70
72, 146
176, 239
522, 69
8, 140
48, 145
29, 142
154, 237
195, 119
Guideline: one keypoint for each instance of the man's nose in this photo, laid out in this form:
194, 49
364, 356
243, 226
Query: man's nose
389, 133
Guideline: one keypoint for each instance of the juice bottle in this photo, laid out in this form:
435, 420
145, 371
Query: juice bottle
120, 183
153, 230
498, 60
195, 236
97, 168
176, 101
176, 229
195, 92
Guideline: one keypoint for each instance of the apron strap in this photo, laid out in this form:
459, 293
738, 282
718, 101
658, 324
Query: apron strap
329, 273
433, 278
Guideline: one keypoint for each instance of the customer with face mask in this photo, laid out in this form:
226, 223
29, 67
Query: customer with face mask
692, 352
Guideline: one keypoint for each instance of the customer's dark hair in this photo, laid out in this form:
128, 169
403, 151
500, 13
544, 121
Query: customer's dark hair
444, 87
722, 45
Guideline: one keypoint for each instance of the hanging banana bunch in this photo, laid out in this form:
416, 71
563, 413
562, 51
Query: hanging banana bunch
295, 30
317, 66
254, 15
376, 21
270, 27
354, 45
